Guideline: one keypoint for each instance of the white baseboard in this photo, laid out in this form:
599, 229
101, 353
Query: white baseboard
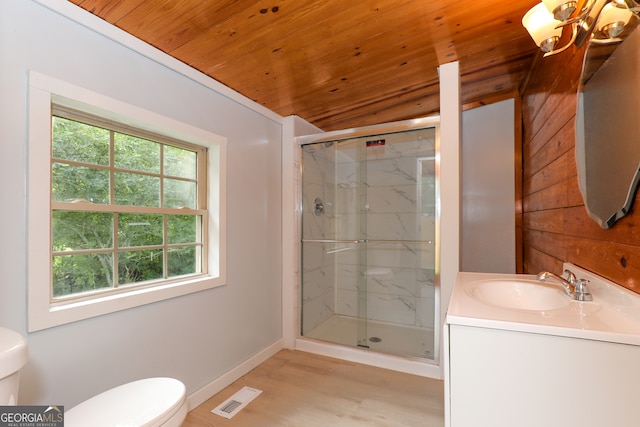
200, 396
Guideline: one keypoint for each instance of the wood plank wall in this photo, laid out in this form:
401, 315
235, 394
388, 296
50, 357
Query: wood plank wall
556, 227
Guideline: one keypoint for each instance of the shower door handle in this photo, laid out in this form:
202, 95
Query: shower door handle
363, 241
332, 241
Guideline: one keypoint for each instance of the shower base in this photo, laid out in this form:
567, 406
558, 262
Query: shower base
399, 340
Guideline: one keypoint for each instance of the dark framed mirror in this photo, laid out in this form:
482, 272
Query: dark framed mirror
608, 126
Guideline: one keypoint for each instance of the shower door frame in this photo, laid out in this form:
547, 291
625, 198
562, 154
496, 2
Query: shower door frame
395, 127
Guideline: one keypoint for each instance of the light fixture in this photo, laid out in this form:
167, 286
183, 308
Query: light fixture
601, 19
542, 27
613, 19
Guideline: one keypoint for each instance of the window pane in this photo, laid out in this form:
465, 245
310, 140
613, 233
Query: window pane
179, 162
79, 182
139, 230
178, 194
130, 152
80, 273
182, 228
80, 142
139, 266
182, 261
81, 230
137, 190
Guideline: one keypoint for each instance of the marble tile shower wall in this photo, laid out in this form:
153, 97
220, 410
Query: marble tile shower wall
371, 193
318, 267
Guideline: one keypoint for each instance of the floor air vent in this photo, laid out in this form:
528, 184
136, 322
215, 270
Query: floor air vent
235, 403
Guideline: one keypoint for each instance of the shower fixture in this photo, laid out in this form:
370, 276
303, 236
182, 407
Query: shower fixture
318, 206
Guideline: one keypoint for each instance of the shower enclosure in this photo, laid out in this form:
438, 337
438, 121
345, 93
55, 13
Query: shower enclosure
370, 241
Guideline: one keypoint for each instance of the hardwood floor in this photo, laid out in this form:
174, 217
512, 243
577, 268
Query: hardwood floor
306, 390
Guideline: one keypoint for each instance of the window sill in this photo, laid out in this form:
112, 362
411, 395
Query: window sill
71, 311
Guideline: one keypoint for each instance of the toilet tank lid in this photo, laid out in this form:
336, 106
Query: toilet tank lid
143, 403
13, 352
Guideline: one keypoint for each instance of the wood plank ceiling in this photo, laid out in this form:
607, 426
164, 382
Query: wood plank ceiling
336, 63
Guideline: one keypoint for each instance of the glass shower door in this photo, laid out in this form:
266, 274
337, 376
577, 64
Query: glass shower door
333, 226
369, 242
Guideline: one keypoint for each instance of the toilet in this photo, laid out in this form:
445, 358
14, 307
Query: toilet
13, 356
151, 402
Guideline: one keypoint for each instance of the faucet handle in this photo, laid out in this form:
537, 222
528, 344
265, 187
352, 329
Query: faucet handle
582, 290
571, 277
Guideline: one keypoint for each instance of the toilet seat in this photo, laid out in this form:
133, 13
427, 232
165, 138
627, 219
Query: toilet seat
13, 356
150, 402
13, 352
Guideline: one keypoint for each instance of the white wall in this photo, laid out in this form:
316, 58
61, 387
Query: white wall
488, 189
450, 186
195, 338
293, 126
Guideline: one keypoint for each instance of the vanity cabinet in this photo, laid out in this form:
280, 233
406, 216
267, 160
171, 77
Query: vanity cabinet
507, 378
518, 354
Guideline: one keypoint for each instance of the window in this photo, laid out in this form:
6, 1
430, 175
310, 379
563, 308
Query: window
134, 205
125, 210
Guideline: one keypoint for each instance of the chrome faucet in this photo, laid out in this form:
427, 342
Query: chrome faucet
575, 288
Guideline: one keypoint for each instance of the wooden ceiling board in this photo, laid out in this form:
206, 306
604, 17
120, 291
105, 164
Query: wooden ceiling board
338, 64
110, 11
345, 68
190, 19
420, 103
284, 34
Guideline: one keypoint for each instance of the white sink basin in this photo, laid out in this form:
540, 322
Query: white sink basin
519, 294
519, 302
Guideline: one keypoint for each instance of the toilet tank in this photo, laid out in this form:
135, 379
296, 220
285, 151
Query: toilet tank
13, 356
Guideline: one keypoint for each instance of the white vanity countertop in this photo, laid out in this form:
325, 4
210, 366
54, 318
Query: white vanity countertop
612, 316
